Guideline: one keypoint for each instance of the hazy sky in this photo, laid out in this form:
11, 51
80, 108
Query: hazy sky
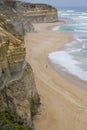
61, 2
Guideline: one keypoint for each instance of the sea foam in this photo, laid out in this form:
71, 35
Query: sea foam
67, 62
73, 59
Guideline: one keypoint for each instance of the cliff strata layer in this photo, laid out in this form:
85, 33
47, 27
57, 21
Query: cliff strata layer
18, 92
36, 13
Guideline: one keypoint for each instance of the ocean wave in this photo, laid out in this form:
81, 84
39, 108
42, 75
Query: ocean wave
83, 13
85, 17
79, 28
81, 39
83, 31
68, 63
56, 28
83, 27
76, 50
78, 39
70, 11
73, 59
66, 14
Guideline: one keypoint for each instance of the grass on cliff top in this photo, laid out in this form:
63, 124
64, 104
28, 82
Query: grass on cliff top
9, 122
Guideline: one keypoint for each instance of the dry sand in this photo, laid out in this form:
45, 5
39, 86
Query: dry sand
63, 104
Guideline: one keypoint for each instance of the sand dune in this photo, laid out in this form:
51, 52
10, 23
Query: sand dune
63, 104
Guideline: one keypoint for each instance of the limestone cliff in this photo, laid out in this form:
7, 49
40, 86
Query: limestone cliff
35, 13
18, 92
38, 13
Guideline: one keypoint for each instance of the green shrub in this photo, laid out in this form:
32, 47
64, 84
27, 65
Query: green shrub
9, 122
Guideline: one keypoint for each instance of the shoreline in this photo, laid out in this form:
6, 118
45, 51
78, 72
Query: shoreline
64, 104
69, 76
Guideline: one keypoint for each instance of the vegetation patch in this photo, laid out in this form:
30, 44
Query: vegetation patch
9, 122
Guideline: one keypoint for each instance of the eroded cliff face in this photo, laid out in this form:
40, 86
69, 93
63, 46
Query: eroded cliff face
18, 92
35, 13
38, 13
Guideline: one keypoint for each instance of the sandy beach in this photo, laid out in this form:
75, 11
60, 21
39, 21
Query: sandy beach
63, 104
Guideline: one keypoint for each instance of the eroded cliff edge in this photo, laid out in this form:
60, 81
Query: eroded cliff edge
18, 93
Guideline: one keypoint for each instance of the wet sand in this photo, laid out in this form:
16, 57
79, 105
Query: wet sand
63, 103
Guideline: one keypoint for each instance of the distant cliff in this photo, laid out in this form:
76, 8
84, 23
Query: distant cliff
36, 13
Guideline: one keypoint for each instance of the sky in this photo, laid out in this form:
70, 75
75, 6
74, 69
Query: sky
61, 2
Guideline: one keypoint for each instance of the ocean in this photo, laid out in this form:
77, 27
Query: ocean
73, 58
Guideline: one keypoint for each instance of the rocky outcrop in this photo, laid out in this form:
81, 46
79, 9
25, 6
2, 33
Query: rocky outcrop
19, 95
23, 26
15, 17
18, 92
23, 15
38, 13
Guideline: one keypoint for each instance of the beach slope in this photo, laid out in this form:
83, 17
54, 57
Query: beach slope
63, 104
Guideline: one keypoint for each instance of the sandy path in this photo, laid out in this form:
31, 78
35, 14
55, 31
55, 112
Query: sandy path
64, 105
